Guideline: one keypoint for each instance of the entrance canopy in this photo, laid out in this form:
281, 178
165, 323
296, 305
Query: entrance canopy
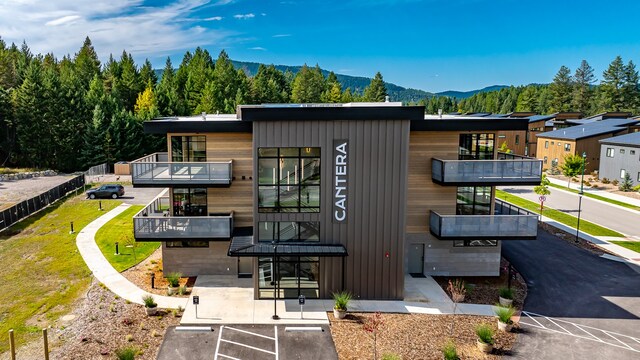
244, 246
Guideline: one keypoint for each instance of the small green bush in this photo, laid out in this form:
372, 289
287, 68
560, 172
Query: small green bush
636, 188
149, 302
505, 314
174, 279
485, 333
342, 299
127, 353
182, 290
574, 179
391, 357
605, 181
506, 293
615, 182
449, 351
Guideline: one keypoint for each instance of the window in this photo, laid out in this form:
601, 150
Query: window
546, 159
502, 136
473, 200
288, 231
295, 276
187, 244
546, 144
552, 143
610, 152
559, 143
461, 243
289, 179
517, 139
621, 151
632, 152
189, 148
638, 176
623, 172
476, 146
189, 202
554, 162
567, 147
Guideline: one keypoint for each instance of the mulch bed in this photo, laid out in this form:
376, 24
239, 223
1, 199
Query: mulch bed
104, 323
415, 336
141, 275
571, 239
485, 289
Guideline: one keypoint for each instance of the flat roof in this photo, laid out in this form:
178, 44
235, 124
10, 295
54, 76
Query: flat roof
632, 139
590, 129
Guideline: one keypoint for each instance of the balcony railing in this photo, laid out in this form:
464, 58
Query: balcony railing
525, 171
153, 223
156, 170
492, 227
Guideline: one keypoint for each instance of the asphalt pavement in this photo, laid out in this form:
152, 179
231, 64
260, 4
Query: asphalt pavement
614, 217
590, 305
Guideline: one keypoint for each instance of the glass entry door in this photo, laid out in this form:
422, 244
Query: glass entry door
294, 276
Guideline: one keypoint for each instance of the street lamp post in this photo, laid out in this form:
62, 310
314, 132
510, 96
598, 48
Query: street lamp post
275, 282
584, 159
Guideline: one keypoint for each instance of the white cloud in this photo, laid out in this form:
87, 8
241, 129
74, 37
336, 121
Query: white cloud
244, 16
260, 48
281, 35
213, 18
224, 2
60, 26
263, 14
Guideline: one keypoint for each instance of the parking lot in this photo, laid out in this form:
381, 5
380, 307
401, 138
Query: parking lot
245, 342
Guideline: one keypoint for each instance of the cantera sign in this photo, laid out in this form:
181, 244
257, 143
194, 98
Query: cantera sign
340, 158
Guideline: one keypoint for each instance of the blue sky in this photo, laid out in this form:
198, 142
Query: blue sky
433, 45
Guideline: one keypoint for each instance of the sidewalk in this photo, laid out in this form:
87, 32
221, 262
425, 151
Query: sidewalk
603, 193
106, 274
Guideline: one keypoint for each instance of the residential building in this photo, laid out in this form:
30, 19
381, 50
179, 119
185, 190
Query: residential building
315, 198
620, 155
553, 146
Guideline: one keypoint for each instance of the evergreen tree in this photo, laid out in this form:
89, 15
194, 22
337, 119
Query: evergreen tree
561, 90
86, 63
198, 71
333, 90
31, 132
129, 83
582, 93
270, 86
527, 100
630, 90
167, 95
92, 152
376, 91
612, 94
147, 74
308, 85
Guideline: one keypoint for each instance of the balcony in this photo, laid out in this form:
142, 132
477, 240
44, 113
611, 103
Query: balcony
509, 171
153, 223
156, 171
489, 227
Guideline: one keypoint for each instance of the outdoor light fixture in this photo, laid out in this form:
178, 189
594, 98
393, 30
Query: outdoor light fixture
275, 282
584, 159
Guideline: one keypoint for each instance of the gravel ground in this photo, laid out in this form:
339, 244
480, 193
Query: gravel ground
141, 275
485, 289
415, 336
12, 192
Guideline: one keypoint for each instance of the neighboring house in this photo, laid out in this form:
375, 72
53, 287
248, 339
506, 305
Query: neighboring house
341, 196
553, 146
524, 142
620, 155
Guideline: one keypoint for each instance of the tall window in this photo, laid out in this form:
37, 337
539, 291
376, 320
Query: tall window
289, 179
517, 139
610, 152
473, 200
190, 202
288, 231
189, 148
476, 146
567, 147
546, 144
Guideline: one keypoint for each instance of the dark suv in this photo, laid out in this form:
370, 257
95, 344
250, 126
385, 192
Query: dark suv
106, 191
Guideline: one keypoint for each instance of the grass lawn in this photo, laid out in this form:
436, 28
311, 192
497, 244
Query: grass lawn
631, 245
42, 272
598, 197
120, 229
569, 220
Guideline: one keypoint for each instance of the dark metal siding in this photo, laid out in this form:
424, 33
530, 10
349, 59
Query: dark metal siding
376, 203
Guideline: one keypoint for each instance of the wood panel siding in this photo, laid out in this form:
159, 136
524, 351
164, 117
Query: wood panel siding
510, 137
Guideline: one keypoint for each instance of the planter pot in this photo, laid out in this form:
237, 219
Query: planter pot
339, 314
505, 302
504, 327
485, 348
172, 290
152, 311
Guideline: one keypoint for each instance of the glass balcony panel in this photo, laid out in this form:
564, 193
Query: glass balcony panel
156, 171
450, 227
487, 172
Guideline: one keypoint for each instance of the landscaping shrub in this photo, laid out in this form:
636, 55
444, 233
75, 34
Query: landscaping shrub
506, 293
485, 333
149, 302
627, 183
342, 299
127, 353
174, 279
449, 351
504, 314
636, 188
614, 182
574, 179
587, 183
605, 181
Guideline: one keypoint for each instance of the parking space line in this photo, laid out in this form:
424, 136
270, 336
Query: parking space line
275, 328
249, 332
618, 340
595, 337
248, 346
227, 356
218, 345
558, 325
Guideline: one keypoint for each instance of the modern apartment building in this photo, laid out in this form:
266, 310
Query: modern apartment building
315, 198
620, 155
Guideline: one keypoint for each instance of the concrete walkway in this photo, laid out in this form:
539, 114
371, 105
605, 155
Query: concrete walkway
106, 274
228, 300
603, 193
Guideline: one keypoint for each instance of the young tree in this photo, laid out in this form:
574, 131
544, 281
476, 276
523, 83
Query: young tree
376, 91
504, 148
572, 166
626, 184
582, 93
612, 86
457, 290
561, 89
543, 188
373, 325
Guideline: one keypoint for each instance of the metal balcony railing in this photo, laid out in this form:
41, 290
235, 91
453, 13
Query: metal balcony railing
153, 223
525, 171
156, 170
493, 227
